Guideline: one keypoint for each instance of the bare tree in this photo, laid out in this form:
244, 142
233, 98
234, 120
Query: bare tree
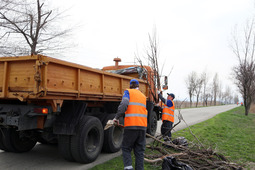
191, 85
227, 95
215, 88
29, 27
198, 89
236, 99
211, 94
206, 98
220, 92
244, 71
204, 78
152, 58
4, 4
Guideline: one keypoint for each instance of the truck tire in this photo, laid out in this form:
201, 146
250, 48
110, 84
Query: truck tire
42, 141
2, 147
6, 140
113, 136
87, 143
152, 123
64, 147
21, 142
47, 138
18, 141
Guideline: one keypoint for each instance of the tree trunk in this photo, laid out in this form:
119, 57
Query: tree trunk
197, 101
190, 103
247, 105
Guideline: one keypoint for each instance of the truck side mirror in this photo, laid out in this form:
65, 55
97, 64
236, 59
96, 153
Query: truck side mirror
165, 86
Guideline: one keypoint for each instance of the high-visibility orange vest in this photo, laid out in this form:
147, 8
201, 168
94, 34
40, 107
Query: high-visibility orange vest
136, 113
168, 113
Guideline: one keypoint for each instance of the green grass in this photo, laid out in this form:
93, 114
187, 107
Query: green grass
230, 133
117, 164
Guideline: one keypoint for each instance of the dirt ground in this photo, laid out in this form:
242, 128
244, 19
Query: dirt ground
252, 109
251, 166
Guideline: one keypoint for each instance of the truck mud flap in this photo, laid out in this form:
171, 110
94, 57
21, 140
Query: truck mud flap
71, 113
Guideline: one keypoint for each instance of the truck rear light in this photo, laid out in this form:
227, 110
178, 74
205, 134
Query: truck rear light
45, 111
41, 110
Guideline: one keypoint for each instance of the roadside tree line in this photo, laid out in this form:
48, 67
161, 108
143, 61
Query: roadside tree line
200, 89
208, 91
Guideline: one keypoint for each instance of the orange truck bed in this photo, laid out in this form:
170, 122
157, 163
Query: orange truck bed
40, 77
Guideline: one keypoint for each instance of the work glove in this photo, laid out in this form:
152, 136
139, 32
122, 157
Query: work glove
116, 122
159, 92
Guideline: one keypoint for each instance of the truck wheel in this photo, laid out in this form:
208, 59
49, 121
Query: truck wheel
18, 141
42, 141
2, 147
64, 147
22, 141
113, 136
87, 143
152, 124
7, 146
47, 138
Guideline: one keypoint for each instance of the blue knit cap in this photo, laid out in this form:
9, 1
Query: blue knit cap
171, 94
134, 80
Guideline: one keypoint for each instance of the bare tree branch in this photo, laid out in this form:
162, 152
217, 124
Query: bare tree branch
34, 21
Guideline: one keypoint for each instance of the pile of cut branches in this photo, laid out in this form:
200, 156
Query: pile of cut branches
195, 157
195, 154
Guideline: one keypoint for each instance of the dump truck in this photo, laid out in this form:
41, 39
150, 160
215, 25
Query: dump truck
51, 101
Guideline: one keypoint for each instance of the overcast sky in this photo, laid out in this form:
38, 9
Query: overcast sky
193, 35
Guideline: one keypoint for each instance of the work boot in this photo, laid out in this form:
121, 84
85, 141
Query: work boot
166, 138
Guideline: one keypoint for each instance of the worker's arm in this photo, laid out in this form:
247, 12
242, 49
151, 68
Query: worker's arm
162, 98
169, 103
123, 105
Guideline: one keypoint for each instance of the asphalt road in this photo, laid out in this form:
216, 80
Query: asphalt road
196, 115
44, 157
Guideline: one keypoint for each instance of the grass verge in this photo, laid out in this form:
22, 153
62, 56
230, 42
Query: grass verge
230, 133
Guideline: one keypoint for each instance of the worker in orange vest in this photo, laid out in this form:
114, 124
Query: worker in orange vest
167, 114
133, 107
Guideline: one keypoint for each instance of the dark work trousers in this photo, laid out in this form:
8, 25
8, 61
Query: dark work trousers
166, 125
133, 139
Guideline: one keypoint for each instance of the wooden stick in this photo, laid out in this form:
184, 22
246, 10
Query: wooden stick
161, 158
